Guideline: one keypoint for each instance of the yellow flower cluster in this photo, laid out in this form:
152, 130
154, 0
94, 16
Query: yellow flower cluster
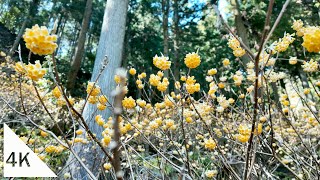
226, 62
132, 71
283, 43
99, 120
213, 89
39, 41
54, 149
311, 39
107, 166
93, 91
293, 60
212, 71
311, 36
102, 102
162, 86
211, 173
33, 71
210, 144
56, 92
298, 26
192, 60
244, 133
155, 80
191, 85
162, 62
311, 66
234, 44
238, 78
128, 103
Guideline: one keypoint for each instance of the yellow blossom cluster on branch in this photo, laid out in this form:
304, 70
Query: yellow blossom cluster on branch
234, 44
192, 60
161, 62
39, 41
282, 44
310, 35
33, 71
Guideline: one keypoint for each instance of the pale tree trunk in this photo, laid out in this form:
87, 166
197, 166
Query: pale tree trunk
32, 12
165, 24
176, 60
110, 45
242, 32
77, 58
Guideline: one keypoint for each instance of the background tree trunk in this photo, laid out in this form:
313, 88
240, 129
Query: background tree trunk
165, 24
32, 13
110, 45
77, 58
241, 31
176, 60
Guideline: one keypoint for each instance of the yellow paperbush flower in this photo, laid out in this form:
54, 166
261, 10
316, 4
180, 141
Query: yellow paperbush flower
191, 85
20, 67
39, 41
99, 120
192, 60
234, 44
211, 173
33, 71
79, 131
212, 71
311, 66
107, 166
93, 99
210, 144
93, 91
283, 43
103, 99
293, 60
154, 80
117, 79
132, 71
101, 107
239, 52
128, 103
56, 92
298, 26
106, 140
226, 62
243, 138
162, 62
311, 39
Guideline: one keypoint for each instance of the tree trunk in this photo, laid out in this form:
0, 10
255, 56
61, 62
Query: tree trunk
165, 22
32, 13
110, 45
242, 32
176, 60
77, 58
165, 16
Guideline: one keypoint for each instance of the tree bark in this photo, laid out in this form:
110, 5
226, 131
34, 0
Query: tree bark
110, 45
176, 60
32, 13
77, 58
165, 24
241, 31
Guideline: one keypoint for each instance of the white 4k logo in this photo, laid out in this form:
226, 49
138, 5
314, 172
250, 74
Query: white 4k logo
20, 160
